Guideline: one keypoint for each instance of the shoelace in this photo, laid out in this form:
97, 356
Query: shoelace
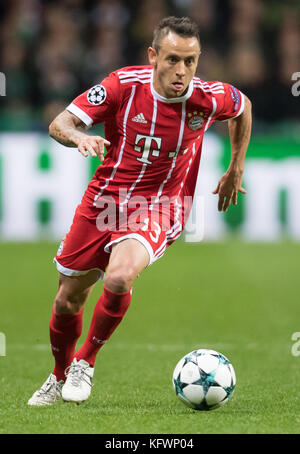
78, 374
50, 389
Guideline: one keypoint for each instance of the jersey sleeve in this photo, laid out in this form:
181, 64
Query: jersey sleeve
230, 103
97, 103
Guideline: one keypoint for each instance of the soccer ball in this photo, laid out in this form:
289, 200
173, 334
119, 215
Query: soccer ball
204, 379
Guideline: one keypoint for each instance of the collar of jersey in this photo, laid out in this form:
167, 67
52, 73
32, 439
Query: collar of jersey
171, 100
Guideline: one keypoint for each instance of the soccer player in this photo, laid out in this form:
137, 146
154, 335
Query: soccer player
155, 117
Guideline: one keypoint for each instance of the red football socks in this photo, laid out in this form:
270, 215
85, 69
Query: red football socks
65, 330
108, 313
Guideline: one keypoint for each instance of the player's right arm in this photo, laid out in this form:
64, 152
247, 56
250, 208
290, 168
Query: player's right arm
91, 107
68, 130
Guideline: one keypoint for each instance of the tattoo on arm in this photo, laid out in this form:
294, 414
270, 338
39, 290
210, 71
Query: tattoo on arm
67, 129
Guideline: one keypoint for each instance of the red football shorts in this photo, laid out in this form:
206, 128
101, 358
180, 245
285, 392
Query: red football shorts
88, 243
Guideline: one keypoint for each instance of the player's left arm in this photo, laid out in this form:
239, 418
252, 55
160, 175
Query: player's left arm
239, 134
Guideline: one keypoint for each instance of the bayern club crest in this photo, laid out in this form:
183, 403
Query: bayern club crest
196, 120
96, 95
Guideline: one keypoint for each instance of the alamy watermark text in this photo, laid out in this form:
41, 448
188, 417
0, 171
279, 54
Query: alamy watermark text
296, 85
2, 84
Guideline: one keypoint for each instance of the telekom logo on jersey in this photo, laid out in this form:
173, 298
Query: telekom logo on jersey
147, 147
150, 141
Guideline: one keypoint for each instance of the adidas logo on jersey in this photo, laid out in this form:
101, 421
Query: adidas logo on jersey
139, 118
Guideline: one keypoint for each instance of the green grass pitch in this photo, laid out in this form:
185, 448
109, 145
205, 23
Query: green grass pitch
239, 299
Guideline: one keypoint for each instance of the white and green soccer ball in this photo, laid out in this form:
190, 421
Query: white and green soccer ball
204, 379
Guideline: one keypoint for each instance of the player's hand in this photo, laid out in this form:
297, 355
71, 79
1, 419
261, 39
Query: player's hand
93, 145
228, 187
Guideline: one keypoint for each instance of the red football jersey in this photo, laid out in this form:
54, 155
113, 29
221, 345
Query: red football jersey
155, 141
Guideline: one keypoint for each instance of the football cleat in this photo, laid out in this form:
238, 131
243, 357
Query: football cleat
48, 394
77, 387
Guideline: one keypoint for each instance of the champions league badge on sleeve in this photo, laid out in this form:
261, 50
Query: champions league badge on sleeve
96, 95
235, 97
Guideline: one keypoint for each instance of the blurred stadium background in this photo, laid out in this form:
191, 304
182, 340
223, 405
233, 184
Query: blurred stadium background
53, 50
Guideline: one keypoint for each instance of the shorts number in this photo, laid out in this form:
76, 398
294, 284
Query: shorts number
157, 230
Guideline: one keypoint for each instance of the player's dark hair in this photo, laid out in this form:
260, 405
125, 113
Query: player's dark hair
182, 26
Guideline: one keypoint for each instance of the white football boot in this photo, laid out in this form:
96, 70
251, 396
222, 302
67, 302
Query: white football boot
48, 394
77, 387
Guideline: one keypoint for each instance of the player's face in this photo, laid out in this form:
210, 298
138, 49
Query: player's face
174, 64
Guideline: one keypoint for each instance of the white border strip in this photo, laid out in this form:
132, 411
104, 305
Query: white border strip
182, 125
214, 101
139, 76
80, 114
242, 106
135, 72
137, 237
135, 79
69, 272
122, 146
144, 165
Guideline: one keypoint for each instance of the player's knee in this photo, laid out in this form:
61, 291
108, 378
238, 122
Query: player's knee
119, 279
60, 304
67, 303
